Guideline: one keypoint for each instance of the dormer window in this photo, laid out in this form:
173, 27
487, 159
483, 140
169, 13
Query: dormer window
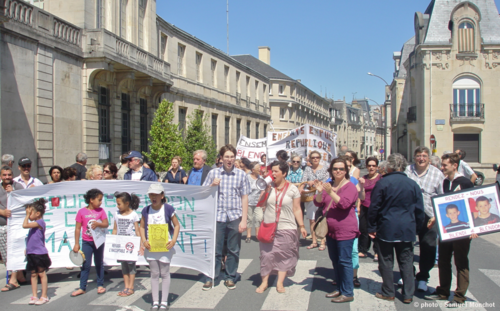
466, 38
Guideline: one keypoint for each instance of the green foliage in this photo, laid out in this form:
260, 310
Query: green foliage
199, 136
165, 138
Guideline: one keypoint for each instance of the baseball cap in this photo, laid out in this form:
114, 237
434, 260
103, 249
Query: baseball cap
134, 154
24, 160
156, 188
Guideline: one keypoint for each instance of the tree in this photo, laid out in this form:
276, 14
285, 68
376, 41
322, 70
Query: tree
199, 137
165, 138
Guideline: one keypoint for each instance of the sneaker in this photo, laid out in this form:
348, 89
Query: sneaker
400, 282
33, 300
207, 285
422, 286
454, 304
435, 296
230, 284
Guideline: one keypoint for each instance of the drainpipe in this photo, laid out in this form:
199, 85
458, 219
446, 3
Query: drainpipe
430, 103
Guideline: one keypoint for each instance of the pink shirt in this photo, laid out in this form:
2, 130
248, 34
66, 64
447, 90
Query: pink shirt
86, 217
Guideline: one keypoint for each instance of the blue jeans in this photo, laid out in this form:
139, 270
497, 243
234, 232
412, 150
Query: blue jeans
340, 253
227, 230
89, 249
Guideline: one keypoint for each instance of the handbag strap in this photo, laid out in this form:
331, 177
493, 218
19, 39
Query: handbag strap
278, 207
331, 203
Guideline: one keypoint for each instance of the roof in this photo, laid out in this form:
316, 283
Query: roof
261, 67
407, 48
440, 14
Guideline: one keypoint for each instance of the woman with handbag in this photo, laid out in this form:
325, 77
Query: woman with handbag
312, 173
278, 236
338, 198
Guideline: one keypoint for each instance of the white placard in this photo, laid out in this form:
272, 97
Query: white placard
251, 149
122, 247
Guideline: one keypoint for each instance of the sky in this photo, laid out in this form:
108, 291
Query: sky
329, 44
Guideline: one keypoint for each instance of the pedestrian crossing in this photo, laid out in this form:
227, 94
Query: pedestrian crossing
300, 292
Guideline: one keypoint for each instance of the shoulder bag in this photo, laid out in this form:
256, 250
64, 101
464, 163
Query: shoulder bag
267, 232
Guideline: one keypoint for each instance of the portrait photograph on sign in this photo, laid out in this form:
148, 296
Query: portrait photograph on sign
462, 213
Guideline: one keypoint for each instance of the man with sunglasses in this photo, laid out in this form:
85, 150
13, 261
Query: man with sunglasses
25, 179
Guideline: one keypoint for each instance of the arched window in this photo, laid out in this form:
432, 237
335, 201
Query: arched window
465, 37
466, 97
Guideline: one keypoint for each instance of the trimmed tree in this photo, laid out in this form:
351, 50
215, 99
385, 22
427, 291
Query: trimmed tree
199, 136
165, 138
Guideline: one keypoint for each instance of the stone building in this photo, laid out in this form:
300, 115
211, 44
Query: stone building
88, 75
451, 78
291, 102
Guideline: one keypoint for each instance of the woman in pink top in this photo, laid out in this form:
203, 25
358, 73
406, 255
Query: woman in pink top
338, 200
87, 218
366, 185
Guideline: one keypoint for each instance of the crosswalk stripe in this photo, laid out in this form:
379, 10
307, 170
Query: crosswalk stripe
196, 298
112, 298
298, 289
371, 283
55, 291
493, 275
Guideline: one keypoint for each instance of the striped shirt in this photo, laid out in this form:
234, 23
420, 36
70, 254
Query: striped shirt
232, 187
431, 184
458, 226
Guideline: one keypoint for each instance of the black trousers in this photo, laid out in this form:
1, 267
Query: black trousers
427, 239
459, 249
364, 240
404, 256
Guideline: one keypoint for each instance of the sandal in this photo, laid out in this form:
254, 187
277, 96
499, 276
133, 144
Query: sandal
260, 290
248, 240
42, 301
77, 292
280, 290
356, 282
123, 293
313, 245
9, 287
164, 306
101, 290
33, 300
322, 248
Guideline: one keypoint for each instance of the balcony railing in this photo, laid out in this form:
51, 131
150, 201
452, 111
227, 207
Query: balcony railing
238, 99
467, 112
411, 117
248, 101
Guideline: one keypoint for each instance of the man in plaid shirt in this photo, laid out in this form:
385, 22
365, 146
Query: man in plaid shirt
232, 208
430, 179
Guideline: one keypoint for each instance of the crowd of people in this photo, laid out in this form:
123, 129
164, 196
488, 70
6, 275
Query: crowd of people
387, 208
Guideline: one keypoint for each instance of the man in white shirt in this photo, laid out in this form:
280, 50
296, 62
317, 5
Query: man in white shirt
137, 171
464, 168
25, 179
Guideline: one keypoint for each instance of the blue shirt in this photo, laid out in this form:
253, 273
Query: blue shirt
294, 176
194, 178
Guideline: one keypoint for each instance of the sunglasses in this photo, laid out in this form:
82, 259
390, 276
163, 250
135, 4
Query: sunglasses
315, 158
106, 171
295, 161
338, 169
26, 166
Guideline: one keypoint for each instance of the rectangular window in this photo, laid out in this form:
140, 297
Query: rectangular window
142, 14
257, 90
238, 86
248, 86
282, 113
180, 59
282, 89
270, 89
123, 19
213, 68
125, 110
163, 47
248, 128
264, 91
226, 130
104, 115
238, 129
257, 134
198, 66
100, 15
182, 121
265, 130
226, 78
144, 124
214, 128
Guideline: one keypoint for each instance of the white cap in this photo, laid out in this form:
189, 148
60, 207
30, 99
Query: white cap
156, 188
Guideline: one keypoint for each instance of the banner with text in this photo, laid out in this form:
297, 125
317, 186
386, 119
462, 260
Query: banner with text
303, 140
252, 149
195, 209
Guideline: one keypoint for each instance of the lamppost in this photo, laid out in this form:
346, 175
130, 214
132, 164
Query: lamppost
385, 111
3, 19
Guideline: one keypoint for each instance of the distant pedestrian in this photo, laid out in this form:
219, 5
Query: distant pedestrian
464, 168
436, 162
79, 166
395, 216
110, 172
55, 173
124, 166
354, 161
199, 172
69, 174
25, 178
95, 172
37, 256
255, 213
175, 175
137, 171
8, 160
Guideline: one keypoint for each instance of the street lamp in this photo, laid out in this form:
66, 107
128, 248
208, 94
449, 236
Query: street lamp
385, 110
371, 74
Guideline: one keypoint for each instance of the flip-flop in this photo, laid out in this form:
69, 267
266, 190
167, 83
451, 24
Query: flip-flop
313, 245
10, 287
123, 293
101, 290
80, 292
322, 248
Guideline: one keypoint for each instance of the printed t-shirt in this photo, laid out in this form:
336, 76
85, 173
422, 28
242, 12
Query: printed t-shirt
36, 239
87, 217
125, 223
157, 217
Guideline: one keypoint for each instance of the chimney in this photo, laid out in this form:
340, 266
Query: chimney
265, 54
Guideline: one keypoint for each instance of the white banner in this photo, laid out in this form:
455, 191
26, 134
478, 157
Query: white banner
303, 140
252, 149
195, 209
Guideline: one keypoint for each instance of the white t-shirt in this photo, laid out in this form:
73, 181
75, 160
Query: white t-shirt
125, 223
465, 169
287, 217
157, 217
136, 175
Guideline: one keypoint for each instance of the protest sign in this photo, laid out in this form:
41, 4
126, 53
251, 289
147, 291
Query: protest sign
158, 238
122, 247
462, 213
252, 149
303, 140
195, 209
